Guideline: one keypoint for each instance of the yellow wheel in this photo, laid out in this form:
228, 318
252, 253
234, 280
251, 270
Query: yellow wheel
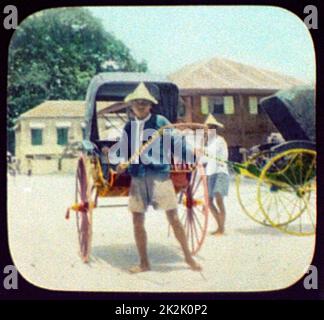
246, 188
287, 191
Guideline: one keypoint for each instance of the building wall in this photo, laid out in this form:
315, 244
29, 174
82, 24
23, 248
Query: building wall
69, 165
241, 128
46, 157
257, 127
42, 166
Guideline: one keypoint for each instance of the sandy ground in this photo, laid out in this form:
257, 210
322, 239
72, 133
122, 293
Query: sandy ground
44, 247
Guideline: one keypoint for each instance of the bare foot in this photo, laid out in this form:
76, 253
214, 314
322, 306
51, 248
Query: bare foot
217, 233
195, 266
138, 269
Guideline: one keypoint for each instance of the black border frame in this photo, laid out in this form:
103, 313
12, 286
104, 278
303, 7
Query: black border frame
28, 291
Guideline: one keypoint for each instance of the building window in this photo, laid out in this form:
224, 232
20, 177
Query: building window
254, 105
204, 108
229, 104
36, 137
217, 105
62, 136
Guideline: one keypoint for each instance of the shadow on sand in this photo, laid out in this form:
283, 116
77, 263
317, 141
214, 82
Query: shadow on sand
259, 230
123, 256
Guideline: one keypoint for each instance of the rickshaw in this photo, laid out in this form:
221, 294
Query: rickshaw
276, 186
189, 180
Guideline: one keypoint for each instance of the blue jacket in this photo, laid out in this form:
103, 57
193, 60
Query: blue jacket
151, 161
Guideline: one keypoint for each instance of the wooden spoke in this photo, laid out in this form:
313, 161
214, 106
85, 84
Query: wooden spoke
193, 211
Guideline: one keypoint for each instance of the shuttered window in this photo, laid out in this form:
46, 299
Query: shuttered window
36, 137
204, 108
253, 105
217, 105
229, 105
62, 136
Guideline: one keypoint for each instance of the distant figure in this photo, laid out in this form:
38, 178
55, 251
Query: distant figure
105, 161
14, 166
11, 164
9, 157
275, 138
217, 172
29, 167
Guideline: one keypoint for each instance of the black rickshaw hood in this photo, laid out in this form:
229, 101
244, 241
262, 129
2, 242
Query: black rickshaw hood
293, 112
115, 86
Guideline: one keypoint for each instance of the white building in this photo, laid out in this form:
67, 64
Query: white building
44, 132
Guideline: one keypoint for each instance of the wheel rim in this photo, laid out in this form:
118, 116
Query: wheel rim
246, 189
193, 209
83, 196
287, 191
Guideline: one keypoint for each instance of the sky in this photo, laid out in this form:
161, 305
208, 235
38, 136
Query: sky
170, 37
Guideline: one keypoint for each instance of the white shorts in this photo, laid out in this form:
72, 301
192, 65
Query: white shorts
154, 189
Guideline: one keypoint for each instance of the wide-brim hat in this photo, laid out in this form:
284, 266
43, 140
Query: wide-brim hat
211, 120
140, 93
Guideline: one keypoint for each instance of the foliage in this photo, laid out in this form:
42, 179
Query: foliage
54, 54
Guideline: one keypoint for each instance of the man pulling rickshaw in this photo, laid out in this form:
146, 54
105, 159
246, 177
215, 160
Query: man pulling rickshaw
145, 169
150, 183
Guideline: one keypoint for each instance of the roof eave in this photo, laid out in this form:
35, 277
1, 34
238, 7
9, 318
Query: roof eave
200, 91
49, 117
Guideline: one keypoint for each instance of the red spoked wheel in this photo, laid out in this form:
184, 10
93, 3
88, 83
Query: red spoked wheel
84, 193
193, 209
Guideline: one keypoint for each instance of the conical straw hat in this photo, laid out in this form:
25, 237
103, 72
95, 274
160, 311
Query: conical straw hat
212, 121
140, 93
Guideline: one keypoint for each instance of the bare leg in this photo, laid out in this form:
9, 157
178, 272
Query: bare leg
219, 214
216, 215
181, 237
141, 242
220, 204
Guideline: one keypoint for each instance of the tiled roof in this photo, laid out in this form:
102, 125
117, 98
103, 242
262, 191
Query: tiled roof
62, 108
219, 73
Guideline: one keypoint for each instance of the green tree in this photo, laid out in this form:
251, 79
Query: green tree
53, 55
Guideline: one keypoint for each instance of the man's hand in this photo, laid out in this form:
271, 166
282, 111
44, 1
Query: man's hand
122, 167
199, 152
105, 150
